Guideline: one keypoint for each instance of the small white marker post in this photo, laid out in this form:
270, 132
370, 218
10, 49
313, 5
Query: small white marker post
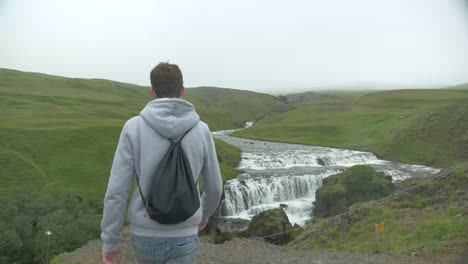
48, 233
376, 234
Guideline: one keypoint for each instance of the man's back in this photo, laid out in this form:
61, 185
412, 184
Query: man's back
143, 143
162, 119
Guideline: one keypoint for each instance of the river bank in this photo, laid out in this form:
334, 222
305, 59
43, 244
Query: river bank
255, 251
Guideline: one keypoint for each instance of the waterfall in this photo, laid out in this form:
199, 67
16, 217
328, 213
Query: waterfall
247, 197
249, 124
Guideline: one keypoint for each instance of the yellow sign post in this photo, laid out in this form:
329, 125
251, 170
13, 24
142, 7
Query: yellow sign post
380, 231
381, 228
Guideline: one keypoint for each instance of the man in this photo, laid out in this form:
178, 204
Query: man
143, 143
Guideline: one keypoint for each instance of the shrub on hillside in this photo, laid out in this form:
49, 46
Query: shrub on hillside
357, 184
26, 217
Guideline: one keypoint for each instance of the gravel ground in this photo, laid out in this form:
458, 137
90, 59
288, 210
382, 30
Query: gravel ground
256, 251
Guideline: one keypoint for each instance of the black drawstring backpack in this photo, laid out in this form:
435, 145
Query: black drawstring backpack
173, 196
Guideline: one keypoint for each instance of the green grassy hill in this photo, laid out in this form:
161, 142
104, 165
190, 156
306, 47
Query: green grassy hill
430, 217
419, 126
229, 108
59, 134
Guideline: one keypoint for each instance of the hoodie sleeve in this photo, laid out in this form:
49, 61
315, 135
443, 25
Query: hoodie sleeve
212, 181
115, 201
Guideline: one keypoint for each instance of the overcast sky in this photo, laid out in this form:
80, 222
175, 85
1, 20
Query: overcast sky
270, 46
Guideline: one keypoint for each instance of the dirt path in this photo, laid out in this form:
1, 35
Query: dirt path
255, 251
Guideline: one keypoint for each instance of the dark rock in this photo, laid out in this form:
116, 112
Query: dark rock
232, 224
321, 162
273, 223
228, 228
357, 184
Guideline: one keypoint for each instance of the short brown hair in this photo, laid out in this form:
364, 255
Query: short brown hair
166, 80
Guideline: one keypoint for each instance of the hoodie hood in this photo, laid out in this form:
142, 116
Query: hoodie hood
170, 117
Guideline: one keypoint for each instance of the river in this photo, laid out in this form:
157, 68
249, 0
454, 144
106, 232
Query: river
287, 175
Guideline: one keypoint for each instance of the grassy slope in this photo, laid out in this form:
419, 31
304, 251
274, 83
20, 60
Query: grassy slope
419, 126
228, 158
60, 134
229, 108
430, 218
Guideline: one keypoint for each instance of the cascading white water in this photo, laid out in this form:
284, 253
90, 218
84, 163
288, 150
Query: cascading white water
295, 193
249, 124
271, 160
241, 195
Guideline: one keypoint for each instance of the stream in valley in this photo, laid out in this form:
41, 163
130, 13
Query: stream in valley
287, 175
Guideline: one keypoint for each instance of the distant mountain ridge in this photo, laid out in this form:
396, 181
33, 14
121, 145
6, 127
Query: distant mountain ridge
297, 98
460, 86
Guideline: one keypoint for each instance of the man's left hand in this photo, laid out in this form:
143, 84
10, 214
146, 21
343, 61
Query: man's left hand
112, 257
202, 226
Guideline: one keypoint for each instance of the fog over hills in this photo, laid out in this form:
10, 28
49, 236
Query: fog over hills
277, 47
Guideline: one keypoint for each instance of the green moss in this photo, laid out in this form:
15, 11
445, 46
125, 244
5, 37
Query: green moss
60, 259
332, 192
454, 210
357, 184
206, 239
461, 176
228, 158
421, 201
457, 194
270, 222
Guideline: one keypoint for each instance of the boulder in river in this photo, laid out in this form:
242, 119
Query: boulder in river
357, 184
271, 222
321, 162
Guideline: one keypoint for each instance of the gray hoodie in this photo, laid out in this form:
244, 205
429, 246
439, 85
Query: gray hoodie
142, 145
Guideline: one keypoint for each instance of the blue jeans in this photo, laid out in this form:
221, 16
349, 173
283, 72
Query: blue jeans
156, 250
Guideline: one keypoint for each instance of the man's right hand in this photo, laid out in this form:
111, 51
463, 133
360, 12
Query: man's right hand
202, 225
